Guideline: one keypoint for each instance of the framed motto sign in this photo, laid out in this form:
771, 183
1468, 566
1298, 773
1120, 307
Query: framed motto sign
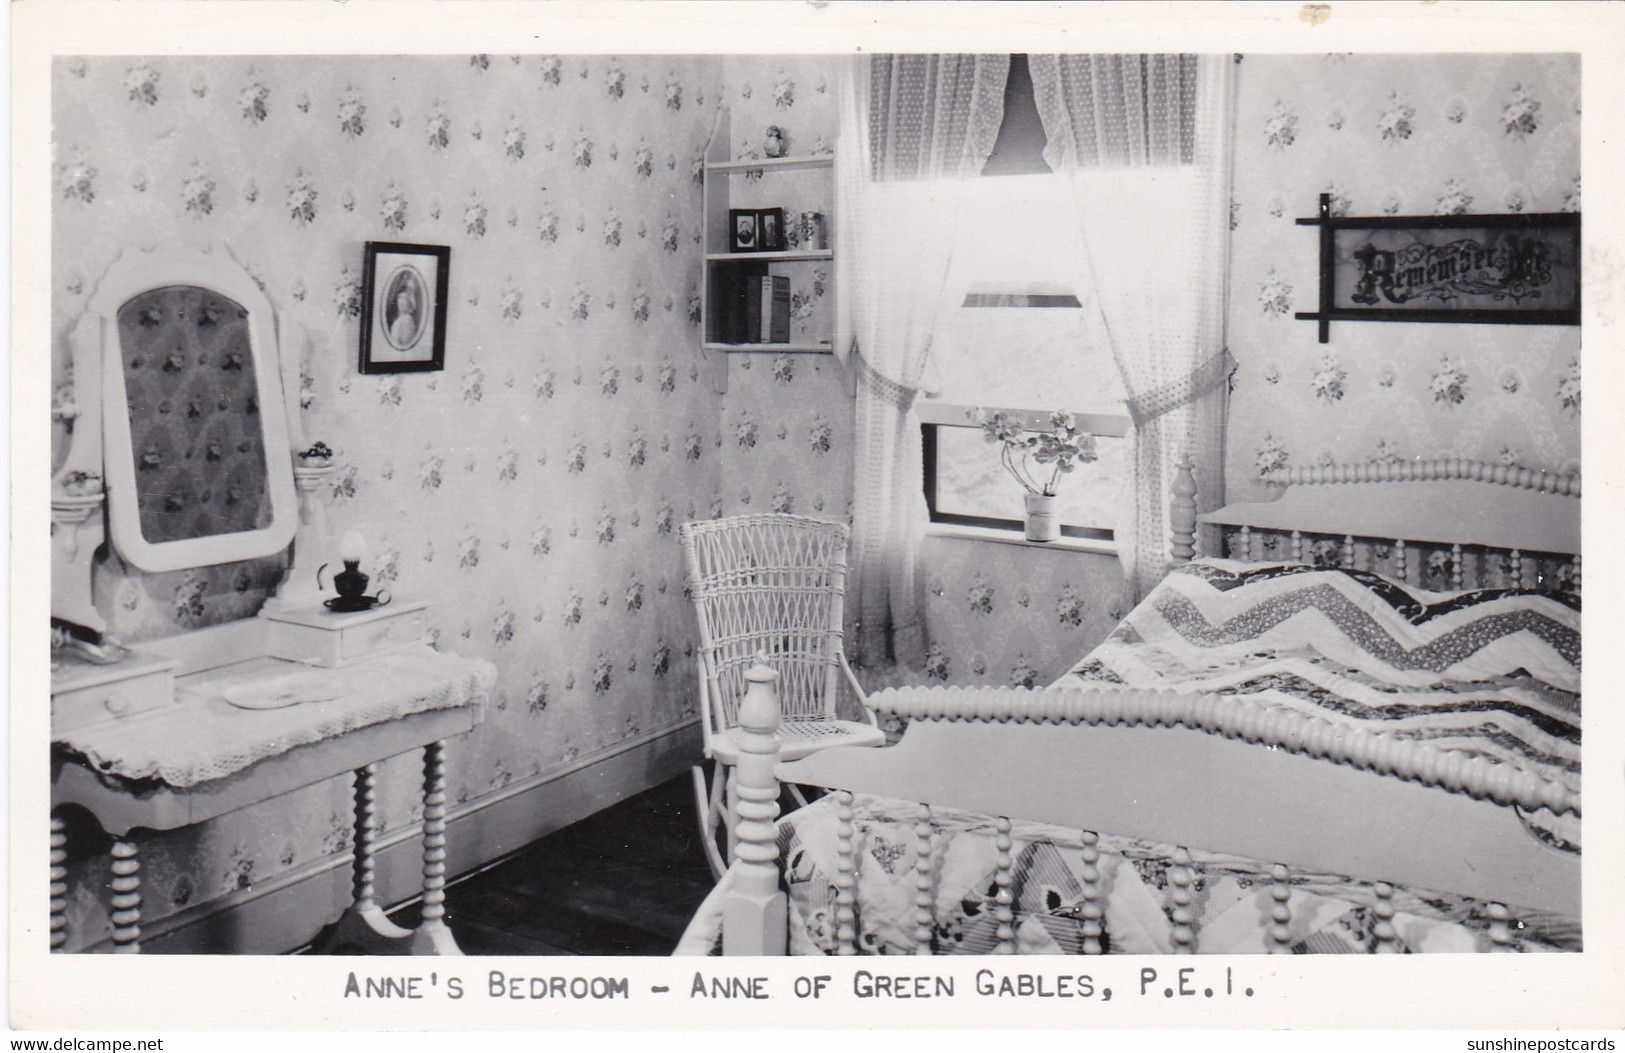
1515, 269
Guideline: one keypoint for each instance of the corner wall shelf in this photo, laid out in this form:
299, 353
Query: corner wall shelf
784, 256
796, 184
771, 164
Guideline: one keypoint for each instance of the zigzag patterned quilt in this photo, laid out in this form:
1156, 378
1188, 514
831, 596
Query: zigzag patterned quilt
1493, 673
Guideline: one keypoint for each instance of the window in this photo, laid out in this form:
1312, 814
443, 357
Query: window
965, 485
1024, 337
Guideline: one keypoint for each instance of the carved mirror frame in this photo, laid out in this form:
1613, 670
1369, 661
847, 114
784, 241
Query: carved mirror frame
99, 378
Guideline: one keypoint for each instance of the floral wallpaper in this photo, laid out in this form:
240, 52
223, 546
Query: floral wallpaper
531, 491
1394, 135
787, 430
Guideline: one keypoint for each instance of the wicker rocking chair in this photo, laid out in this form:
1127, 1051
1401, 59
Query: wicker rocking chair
774, 585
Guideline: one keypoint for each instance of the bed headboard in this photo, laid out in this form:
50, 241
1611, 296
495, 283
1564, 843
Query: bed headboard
1438, 524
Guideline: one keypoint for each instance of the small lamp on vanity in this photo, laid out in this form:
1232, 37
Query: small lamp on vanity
351, 583
314, 635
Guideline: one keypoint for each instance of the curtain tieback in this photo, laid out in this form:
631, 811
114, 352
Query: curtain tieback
880, 385
1149, 405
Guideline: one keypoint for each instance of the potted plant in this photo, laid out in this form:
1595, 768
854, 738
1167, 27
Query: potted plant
319, 455
1038, 460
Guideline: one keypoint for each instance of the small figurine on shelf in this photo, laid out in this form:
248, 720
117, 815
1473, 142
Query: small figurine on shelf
777, 143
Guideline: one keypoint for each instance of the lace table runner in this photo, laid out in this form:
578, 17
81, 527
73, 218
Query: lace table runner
204, 737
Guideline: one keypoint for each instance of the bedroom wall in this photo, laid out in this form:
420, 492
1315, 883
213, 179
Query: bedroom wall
787, 419
1402, 135
995, 614
531, 489
1399, 134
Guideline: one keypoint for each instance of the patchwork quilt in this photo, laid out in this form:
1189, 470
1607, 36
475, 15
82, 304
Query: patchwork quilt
1492, 673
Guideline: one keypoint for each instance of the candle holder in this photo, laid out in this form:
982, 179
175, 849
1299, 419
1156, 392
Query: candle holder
350, 583
351, 586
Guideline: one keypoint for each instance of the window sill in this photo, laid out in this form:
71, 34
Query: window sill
1013, 537
820, 348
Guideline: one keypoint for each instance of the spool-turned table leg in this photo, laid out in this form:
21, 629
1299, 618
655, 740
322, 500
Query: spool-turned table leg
364, 927
432, 935
59, 884
126, 897
366, 832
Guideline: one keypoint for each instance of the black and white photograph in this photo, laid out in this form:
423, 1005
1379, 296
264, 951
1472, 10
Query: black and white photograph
403, 317
770, 225
1139, 552
744, 223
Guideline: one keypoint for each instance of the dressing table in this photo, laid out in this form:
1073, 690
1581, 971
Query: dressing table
185, 458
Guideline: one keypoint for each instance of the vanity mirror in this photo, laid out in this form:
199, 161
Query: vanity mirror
182, 425
181, 435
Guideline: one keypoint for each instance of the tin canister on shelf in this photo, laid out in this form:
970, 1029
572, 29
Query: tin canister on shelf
813, 235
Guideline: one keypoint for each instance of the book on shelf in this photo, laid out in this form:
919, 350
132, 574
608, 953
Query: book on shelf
759, 310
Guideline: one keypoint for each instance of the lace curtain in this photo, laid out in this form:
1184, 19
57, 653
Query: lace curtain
907, 122
1110, 110
1145, 141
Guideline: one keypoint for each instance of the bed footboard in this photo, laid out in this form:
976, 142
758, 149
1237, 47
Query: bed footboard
1107, 761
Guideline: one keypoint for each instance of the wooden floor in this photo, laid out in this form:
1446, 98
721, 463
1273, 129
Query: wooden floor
623, 881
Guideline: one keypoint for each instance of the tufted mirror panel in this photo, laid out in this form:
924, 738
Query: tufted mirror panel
194, 413
179, 348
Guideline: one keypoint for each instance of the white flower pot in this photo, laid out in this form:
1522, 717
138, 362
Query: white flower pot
1043, 518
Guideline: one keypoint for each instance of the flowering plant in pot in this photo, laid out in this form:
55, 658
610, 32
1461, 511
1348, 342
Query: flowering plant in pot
1037, 460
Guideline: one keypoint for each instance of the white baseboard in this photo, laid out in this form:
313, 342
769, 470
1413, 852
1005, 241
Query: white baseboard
285, 912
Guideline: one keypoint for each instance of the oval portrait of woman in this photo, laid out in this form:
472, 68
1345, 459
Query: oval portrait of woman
405, 293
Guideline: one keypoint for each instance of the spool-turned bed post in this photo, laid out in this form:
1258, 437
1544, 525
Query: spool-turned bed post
755, 916
1182, 511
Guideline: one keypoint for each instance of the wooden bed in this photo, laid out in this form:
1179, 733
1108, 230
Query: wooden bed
1186, 769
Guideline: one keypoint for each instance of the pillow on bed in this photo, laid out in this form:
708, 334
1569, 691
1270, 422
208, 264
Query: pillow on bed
1223, 610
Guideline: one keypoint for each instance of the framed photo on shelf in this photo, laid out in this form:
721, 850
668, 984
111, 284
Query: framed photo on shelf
403, 307
742, 232
770, 229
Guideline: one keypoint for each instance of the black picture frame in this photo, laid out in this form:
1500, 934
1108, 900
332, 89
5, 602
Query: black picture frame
1501, 269
403, 307
770, 229
742, 230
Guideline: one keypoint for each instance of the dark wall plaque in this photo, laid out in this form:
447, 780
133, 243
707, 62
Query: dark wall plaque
1516, 269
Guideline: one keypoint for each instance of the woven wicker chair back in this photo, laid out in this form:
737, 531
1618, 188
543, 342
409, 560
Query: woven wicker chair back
770, 584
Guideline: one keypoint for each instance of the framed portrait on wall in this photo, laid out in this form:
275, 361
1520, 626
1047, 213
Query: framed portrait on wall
403, 307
